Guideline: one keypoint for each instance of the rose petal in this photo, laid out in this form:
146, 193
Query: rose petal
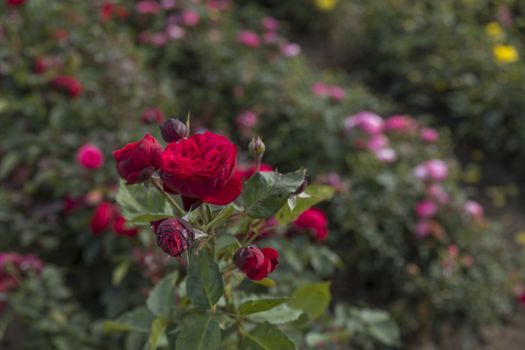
229, 192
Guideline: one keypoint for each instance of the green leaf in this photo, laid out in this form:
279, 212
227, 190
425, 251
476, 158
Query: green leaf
199, 332
317, 194
161, 297
266, 192
278, 315
120, 272
221, 217
226, 243
8, 164
204, 283
157, 331
313, 298
258, 305
141, 204
266, 282
267, 337
381, 326
138, 320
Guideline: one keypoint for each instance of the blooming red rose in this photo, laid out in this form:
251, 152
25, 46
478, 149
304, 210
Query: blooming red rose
202, 167
152, 116
122, 229
313, 219
106, 11
102, 217
68, 84
14, 3
138, 160
90, 156
256, 263
174, 235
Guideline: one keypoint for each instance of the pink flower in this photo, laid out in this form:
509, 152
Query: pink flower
422, 229
337, 93
270, 24
400, 123
429, 135
152, 116
292, 50
168, 4
377, 142
270, 38
434, 169
437, 193
158, 39
474, 209
425, 209
437, 169
386, 155
320, 89
453, 251
249, 38
90, 156
368, 122
174, 31
147, 7
468, 261
190, 18
246, 120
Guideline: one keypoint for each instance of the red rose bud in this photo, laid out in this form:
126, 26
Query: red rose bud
174, 235
315, 220
137, 161
152, 116
68, 84
257, 148
173, 130
122, 229
202, 167
256, 263
102, 217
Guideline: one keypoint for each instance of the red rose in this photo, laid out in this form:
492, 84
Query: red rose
202, 167
67, 84
102, 217
40, 65
106, 11
256, 263
14, 3
314, 219
138, 160
174, 235
152, 116
121, 229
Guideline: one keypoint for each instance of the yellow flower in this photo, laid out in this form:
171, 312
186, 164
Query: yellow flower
494, 30
520, 238
325, 5
505, 53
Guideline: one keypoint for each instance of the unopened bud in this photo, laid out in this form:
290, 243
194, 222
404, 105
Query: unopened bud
257, 148
173, 130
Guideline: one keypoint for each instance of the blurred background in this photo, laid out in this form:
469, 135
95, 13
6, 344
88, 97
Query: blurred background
412, 110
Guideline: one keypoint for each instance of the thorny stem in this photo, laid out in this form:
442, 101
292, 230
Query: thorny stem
168, 197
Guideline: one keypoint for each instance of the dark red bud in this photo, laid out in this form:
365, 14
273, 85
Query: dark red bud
173, 130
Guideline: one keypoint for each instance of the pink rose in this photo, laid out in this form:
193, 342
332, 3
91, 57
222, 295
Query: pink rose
425, 209
190, 18
474, 209
365, 121
249, 38
400, 123
90, 156
429, 135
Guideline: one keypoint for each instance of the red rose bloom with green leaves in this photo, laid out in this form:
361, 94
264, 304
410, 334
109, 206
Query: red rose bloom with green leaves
202, 167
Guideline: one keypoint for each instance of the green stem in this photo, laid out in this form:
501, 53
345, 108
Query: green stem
168, 197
